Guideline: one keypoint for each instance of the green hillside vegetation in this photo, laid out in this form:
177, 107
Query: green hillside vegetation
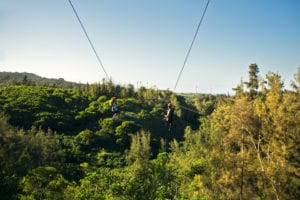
61, 141
16, 78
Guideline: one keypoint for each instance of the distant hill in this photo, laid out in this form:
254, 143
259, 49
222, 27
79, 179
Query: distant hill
24, 78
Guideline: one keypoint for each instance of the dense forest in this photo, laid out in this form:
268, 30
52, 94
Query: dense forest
59, 140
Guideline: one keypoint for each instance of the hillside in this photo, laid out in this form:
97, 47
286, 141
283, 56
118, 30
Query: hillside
24, 78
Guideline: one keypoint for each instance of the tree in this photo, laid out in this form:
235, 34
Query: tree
124, 131
140, 150
190, 161
253, 82
43, 183
279, 133
296, 85
244, 129
239, 90
163, 182
87, 140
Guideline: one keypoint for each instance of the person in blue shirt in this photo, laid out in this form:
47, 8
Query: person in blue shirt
114, 107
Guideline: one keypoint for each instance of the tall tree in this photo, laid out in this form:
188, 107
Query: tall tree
253, 82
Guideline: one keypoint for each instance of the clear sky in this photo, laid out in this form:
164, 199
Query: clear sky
144, 42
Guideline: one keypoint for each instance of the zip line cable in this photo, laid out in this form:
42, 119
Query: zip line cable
190, 48
185, 60
88, 38
189, 109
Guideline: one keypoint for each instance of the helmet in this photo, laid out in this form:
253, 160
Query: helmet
169, 105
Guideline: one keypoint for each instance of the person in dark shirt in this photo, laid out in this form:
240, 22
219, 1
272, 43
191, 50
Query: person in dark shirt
169, 115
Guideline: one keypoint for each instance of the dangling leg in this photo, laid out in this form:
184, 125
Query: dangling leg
170, 126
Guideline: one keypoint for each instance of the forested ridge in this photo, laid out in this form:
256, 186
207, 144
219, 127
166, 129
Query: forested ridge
17, 78
62, 142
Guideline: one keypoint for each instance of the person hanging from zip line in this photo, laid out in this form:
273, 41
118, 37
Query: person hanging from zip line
169, 115
114, 107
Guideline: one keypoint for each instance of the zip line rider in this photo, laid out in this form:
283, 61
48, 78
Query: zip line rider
169, 115
114, 107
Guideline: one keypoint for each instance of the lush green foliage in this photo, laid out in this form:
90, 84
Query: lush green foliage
64, 143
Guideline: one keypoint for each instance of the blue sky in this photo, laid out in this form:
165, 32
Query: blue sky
144, 42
